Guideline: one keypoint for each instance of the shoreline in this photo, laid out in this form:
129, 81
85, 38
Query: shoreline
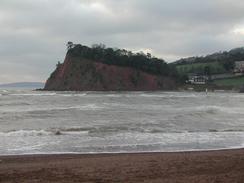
192, 166
121, 153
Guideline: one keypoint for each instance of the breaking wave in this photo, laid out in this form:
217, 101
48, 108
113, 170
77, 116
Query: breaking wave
171, 95
72, 95
87, 131
15, 104
211, 109
33, 94
18, 133
55, 109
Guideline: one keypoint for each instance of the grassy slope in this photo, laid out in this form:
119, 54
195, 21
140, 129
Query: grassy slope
238, 81
215, 67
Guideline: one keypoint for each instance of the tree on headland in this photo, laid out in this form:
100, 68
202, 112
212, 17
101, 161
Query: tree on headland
69, 45
122, 57
58, 64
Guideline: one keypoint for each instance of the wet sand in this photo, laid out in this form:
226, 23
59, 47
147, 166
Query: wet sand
200, 167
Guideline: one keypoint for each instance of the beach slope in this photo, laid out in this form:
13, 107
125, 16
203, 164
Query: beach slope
213, 166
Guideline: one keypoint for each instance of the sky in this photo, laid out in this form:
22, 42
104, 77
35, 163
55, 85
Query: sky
34, 33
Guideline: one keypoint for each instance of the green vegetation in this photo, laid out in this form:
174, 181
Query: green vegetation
201, 68
217, 63
235, 82
225, 58
121, 57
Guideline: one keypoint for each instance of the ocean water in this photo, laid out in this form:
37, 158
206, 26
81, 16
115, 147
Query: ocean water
35, 122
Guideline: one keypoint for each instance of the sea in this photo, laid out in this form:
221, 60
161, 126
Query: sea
41, 122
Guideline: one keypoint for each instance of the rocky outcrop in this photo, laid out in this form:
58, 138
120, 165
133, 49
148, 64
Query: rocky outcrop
77, 74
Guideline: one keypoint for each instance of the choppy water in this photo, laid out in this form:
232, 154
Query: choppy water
95, 122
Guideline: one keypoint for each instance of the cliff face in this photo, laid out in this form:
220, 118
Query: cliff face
84, 75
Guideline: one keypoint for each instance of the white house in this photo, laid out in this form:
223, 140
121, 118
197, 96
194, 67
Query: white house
197, 79
239, 67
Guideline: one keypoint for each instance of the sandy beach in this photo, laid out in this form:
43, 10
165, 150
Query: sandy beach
210, 166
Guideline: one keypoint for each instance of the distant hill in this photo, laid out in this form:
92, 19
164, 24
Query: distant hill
236, 54
31, 85
216, 63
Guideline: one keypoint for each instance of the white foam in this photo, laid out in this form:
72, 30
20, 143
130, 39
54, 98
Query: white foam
169, 95
33, 94
49, 109
113, 95
80, 95
131, 143
74, 132
5, 91
29, 133
89, 107
71, 94
119, 152
25, 133
235, 110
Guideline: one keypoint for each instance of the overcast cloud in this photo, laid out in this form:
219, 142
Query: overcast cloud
33, 33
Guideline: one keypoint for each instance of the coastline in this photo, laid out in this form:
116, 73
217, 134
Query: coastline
191, 166
184, 88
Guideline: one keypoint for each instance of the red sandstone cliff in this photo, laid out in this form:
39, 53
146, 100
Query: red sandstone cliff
85, 75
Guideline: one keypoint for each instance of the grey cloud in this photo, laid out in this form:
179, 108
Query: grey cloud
33, 33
